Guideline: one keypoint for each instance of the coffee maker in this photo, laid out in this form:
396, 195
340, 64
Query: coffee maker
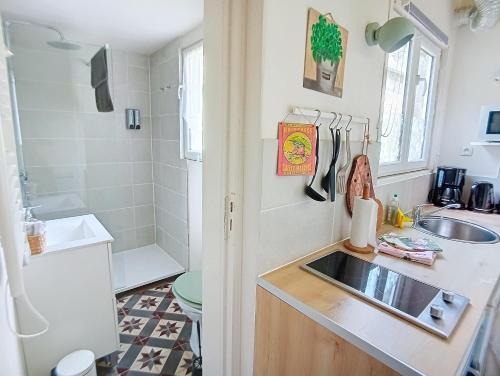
448, 185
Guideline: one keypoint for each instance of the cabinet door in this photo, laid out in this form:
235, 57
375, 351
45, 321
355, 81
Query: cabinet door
73, 290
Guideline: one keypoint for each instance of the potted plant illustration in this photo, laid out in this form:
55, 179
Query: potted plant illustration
326, 48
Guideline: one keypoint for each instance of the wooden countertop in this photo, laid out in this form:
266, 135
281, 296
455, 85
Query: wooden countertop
472, 270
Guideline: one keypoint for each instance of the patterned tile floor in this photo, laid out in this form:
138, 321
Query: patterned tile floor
154, 334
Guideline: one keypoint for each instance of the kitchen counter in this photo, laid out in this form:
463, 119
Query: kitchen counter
472, 270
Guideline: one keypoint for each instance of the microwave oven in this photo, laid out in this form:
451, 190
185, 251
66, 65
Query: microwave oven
490, 123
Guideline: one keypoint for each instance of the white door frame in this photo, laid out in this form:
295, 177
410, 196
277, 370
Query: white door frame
223, 116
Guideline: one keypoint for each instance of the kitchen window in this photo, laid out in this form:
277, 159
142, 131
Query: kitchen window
407, 111
191, 101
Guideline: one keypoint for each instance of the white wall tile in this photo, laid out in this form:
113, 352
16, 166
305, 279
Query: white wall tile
96, 125
41, 152
143, 194
139, 100
138, 60
107, 151
138, 79
55, 179
108, 175
117, 220
48, 124
144, 216
141, 150
142, 173
109, 198
145, 236
291, 227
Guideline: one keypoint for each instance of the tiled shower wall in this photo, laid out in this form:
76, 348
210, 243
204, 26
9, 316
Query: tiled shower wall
81, 161
170, 171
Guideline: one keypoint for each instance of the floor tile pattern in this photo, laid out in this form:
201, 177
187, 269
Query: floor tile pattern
154, 334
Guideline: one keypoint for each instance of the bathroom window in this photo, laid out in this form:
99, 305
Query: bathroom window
407, 110
192, 101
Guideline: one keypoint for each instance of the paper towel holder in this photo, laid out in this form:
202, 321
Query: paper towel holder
347, 243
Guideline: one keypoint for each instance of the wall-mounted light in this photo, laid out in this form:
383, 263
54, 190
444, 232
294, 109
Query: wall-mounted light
497, 76
393, 35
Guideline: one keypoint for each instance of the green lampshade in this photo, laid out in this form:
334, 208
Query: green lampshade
393, 35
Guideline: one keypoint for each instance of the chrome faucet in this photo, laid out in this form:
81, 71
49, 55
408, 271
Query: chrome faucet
417, 211
28, 214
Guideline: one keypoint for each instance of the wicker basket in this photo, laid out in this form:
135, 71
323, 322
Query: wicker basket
37, 243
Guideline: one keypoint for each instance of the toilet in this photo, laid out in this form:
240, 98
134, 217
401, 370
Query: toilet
187, 291
78, 363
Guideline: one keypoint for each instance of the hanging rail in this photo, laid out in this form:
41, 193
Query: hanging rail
327, 115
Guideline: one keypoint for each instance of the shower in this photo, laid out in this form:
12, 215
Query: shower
58, 42
61, 43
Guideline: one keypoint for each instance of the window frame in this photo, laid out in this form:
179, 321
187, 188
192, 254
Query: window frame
418, 43
185, 152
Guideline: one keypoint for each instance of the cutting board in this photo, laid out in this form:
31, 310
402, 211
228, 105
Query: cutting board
360, 175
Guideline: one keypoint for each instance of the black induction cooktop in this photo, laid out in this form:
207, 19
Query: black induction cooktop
427, 306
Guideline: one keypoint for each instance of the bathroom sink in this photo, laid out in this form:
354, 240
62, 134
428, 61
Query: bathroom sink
456, 229
73, 232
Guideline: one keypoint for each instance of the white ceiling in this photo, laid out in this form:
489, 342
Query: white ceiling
131, 25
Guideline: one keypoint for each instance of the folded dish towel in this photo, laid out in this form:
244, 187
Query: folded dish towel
100, 82
423, 257
409, 244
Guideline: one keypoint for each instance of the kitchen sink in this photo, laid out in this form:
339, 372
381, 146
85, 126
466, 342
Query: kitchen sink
456, 229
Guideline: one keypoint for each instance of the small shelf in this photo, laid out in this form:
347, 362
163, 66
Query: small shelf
485, 143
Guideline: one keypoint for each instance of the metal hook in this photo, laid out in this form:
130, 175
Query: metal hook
335, 118
349, 122
336, 125
317, 117
366, 137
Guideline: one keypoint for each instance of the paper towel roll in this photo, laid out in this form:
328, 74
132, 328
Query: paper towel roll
363, 221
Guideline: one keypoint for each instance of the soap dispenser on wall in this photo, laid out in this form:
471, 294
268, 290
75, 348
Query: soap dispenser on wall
133, 118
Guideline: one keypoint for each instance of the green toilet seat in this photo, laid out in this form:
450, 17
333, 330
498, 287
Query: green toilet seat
188, 289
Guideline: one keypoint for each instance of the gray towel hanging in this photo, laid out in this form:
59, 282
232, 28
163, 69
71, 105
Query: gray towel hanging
100, 81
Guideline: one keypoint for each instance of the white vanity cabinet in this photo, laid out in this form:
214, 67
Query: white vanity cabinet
72, 288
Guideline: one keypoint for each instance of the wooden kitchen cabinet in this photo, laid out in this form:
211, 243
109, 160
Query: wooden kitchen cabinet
289, 343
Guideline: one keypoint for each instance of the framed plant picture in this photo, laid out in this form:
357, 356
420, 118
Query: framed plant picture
324, 62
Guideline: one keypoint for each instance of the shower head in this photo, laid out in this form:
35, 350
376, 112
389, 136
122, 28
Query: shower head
63, 44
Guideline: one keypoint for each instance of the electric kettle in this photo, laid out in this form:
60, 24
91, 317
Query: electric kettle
482, 197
